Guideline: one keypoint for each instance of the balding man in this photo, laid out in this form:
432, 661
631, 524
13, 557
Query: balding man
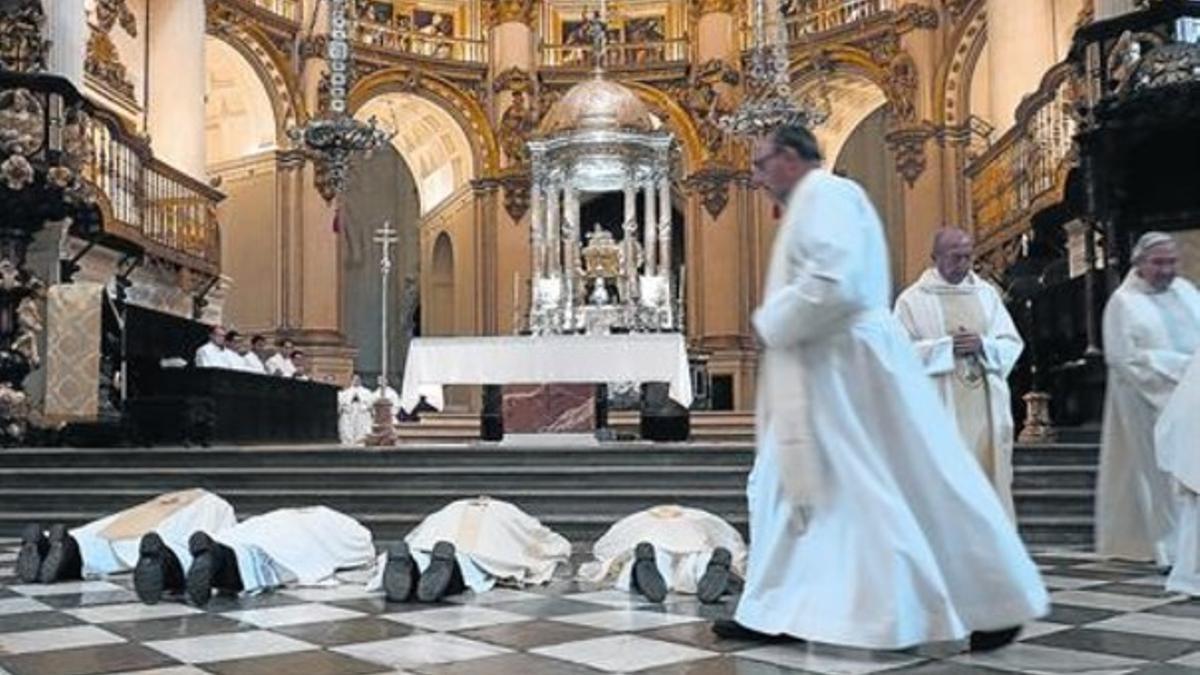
968, 344
1151, 330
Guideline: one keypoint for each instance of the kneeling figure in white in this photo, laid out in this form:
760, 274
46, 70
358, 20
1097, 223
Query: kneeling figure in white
669, 548
470, 544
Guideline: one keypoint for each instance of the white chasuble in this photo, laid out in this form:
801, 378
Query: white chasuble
1177, 447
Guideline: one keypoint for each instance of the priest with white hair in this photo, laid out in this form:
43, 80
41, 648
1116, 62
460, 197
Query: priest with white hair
871, 525
1178, 454
1151, 330
968, 344
470, 544
669, 548
151, 539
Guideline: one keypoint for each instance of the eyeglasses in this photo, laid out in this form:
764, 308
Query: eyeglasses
761, 162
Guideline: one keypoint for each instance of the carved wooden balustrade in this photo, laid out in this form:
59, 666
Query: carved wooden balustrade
150, 204
412, 41
1026, 169
617, 55
807, 18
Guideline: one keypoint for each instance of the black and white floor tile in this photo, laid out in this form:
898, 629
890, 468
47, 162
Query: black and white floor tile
1108, 617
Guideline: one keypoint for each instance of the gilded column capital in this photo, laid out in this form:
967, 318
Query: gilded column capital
702, 7
497, 12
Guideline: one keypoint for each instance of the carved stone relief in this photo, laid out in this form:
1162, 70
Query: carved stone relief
103, 60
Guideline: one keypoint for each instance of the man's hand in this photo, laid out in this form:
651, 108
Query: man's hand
966, 344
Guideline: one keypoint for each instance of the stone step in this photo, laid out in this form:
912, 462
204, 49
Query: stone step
1051, 476
1056, 454
477, 479
1054, 501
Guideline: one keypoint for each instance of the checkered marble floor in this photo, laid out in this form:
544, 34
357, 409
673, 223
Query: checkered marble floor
1108, 617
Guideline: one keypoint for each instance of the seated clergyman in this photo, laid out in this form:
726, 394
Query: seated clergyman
670, 548
150, 539
470, 544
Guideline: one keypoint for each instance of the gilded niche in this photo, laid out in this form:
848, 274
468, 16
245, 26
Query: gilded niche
103, 60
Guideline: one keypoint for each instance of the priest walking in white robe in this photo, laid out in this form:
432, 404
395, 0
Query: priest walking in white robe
1151, 330
968, 344
1178, 453
870, 524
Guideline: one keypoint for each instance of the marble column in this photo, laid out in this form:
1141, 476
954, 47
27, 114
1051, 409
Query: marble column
570, 232
175, 87
67, 30
537, 232
629, 228
664, 228
650, 228
553, 220
1019, 72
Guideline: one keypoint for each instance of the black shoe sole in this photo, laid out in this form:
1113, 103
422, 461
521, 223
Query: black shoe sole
200, 574
33, 551
645, 577
149, 575
399, 573
991, 640
436, 578
715, 581
55, 563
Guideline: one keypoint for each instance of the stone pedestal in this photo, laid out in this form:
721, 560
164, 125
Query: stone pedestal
383, 424
1038, 428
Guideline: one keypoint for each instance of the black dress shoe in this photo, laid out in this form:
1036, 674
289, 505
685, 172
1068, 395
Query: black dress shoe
158, 570
399, 573
645, 577
715, 581
991, 640
62, 561
204, 566
33, 551
732, 630
436, 581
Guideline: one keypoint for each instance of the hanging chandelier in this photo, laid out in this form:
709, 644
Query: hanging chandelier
769, 101
335, 137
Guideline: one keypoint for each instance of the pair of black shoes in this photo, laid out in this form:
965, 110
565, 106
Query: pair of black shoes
980, 641
402, 580
158, 570
645, 578
214, 566
48, 557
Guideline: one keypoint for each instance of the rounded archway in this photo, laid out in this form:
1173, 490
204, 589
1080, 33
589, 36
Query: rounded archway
240, 138
438, 313
852, 98
429, 139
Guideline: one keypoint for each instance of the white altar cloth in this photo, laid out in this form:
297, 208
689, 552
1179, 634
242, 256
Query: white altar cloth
435, 362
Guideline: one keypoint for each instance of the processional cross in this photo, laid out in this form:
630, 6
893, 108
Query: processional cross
382, 430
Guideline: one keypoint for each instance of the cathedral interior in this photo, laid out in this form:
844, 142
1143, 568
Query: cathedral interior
355, 176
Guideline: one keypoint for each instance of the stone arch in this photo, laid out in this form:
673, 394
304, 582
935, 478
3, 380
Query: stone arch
677, 120
467, 111
439, 312
952, 82
240, 117
856, 86
271, 68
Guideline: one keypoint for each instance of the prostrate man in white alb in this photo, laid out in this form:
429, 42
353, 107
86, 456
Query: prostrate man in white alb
1151, 330
1178, 451
870, 524
968, 344
150, 538
286, 547
669, 549
470, 544
280, 362
214, 353
354, 412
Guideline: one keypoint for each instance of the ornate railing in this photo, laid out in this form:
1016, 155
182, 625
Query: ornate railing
1026, 168
617, 54
418, 43
288, 9
150, 203
805, 18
